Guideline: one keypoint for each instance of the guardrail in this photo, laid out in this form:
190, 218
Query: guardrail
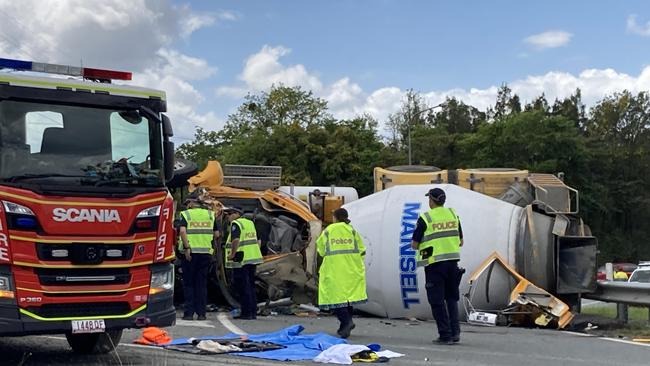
623, 294
630, 293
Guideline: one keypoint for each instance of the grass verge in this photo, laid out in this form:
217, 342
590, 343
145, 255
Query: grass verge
637, 327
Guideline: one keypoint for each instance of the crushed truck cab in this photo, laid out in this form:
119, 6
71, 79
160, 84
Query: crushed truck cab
86, 221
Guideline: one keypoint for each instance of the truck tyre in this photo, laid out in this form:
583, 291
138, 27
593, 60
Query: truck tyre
94, 343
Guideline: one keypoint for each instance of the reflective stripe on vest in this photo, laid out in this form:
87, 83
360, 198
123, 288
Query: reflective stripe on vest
247, 242
440, 234
329, 251
201, 250
439, 258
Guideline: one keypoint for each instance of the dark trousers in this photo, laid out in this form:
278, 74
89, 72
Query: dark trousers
344, 315
195, 284
244, 279
442, 281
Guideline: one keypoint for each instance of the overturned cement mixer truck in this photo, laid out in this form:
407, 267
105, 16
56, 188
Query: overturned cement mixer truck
529, 220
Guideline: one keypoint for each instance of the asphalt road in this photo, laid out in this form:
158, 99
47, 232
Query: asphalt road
479, 346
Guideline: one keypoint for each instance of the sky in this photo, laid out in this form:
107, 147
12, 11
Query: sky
361, 56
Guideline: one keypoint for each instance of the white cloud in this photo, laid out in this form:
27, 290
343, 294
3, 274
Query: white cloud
263, 69
228, 15
593, 83
172, 73
175, 63
344, 96
639, 29
196, 21
134, 35
550, 39
347, 99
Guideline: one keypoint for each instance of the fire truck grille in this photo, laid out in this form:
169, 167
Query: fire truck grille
83, 276
83, 253
80, 310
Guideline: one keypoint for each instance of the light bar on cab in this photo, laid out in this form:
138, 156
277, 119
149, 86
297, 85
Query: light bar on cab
84, 72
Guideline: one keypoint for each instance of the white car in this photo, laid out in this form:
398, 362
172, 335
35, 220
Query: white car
641, 274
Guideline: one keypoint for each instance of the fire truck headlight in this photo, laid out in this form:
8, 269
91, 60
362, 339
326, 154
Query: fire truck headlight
5, 288
15, 208
162, 281
149, 212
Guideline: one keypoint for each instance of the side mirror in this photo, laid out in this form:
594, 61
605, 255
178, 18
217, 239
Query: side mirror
168, 147
168, 150
168, 131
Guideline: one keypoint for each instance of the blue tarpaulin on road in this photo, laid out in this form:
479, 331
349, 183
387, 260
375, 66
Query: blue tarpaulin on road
298, 346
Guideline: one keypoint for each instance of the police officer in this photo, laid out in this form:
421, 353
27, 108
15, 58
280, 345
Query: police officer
437, 239
197, 231
342, 275
243, 254
620, 275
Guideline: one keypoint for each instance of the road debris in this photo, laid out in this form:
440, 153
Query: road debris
496, 285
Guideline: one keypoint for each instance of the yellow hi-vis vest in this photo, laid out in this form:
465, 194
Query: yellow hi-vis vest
247, 244
200, 230
342, 275
620, 276
441, 235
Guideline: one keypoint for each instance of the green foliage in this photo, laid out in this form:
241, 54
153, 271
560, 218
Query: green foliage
527, 140
604, 153
291, 128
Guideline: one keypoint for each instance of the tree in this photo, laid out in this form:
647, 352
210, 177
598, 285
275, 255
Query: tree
506, 104
202, 149
410, 115
572, 108
539, 104
293, 129
618, 191
457, 117
528, 140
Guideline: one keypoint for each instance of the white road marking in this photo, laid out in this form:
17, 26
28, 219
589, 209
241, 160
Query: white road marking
225, 321
195, 323
608, 339
577, 333
625, 341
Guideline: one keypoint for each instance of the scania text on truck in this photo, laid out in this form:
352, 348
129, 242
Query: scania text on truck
86, 236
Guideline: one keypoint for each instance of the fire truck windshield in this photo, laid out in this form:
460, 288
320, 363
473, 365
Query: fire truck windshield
67, 145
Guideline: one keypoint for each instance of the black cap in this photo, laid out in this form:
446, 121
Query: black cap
437, 194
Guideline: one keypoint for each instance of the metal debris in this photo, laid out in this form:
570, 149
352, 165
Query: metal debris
495, 284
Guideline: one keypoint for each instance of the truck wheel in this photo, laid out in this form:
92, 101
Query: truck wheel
94, 342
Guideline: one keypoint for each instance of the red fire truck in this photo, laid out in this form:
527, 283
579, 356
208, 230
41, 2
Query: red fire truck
86, 236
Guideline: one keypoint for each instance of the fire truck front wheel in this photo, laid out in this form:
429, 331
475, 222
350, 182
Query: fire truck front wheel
94, 343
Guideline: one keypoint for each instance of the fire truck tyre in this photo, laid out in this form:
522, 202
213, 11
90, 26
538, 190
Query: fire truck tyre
95, 343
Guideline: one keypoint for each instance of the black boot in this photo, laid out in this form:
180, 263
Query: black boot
345, 329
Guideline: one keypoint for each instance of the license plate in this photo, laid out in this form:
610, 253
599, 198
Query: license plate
88, 326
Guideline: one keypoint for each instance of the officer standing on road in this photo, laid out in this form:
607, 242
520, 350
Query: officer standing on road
243, 254
437, 239
197, 231
342, 275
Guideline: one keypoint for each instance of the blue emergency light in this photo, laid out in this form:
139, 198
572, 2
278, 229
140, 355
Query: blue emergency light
85, 72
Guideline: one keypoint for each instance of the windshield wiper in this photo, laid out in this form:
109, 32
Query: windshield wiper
139, 181
17, 178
